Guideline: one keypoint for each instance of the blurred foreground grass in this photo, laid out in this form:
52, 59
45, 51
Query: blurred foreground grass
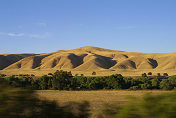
24, 103
150, 106
97, 99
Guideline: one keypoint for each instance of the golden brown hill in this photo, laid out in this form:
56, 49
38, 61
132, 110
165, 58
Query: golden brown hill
8, 59
91, 59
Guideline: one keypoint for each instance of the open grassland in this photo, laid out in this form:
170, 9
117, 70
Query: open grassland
97, 99
129, 73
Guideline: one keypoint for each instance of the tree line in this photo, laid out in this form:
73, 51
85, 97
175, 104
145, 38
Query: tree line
63, 80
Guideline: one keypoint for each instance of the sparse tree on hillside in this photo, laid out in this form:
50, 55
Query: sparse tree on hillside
144, 75
50, 74
165, 74
93, 73
158, 74
150, 73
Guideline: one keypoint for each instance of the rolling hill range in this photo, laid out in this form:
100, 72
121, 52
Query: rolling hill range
88, 59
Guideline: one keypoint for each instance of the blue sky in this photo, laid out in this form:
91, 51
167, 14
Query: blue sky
37, 26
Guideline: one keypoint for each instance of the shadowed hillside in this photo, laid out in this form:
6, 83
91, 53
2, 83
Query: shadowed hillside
8, 59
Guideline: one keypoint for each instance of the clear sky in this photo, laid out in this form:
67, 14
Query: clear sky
37, 26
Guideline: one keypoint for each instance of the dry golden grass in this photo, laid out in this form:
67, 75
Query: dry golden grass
85, 60
97, 99
129, 73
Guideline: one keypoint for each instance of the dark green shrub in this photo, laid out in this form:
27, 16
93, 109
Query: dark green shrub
158, 74
134, 88
93, 73
150, 73
144, 75
165, 74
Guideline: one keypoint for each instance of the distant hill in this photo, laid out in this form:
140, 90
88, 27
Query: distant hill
8, 59
89, 59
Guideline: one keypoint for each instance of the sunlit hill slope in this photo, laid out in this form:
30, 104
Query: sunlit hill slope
89, 59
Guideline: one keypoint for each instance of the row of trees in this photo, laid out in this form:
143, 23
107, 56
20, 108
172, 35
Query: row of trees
158, 74
63, 80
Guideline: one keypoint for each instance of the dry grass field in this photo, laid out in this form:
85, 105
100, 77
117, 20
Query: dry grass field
97, 99
129, 73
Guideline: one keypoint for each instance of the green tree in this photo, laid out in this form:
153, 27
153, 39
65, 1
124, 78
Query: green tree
115, 82
155, 83
81, 82
43, 82
61, 80
35, 84
166, 84
128, 82
50, 83
172, 80
146, 85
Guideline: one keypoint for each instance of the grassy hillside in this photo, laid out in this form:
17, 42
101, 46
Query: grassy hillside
85, 60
